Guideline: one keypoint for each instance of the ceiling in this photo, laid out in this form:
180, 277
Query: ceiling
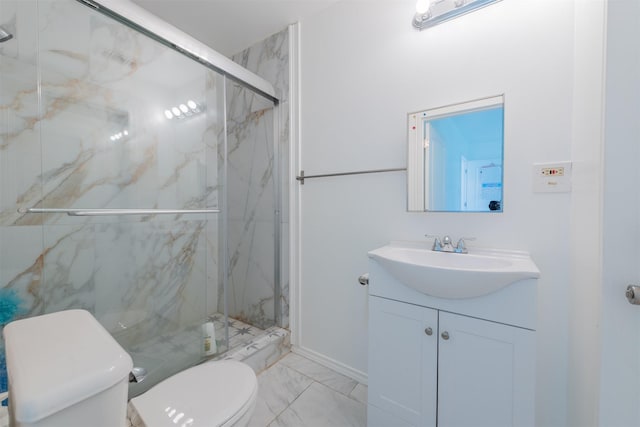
230, 26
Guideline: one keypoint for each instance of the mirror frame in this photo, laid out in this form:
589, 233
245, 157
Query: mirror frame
417, 158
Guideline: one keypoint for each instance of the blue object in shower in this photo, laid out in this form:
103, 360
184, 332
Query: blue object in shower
4, 381
9, 305
9, 308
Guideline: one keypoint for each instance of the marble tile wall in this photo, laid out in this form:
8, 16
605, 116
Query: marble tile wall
70, 80
251, 207
270, 60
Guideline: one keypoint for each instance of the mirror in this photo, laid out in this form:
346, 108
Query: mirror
455, 157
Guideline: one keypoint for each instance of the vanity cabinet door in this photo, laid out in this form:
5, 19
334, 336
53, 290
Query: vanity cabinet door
403, 346
486, 373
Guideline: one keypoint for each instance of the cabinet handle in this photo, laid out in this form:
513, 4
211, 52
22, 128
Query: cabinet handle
428, 331
445, 335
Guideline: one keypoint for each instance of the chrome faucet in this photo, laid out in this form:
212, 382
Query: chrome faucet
446, 245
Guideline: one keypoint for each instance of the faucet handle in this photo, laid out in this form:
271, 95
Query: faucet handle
437, 246
461, 246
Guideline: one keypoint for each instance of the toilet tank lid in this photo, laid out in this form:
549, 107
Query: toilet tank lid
57, 360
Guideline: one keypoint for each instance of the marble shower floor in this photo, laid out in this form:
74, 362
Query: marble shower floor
299, 392
167, 354
188, 341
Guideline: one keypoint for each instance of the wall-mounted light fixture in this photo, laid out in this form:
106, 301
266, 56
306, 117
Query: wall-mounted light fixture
433, 12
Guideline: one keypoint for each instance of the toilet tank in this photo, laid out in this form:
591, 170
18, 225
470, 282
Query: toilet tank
65, 370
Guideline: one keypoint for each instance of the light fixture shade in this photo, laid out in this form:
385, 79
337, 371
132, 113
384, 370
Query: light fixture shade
444, 10
422, 6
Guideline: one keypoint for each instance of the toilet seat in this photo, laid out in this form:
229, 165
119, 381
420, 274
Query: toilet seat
212, 394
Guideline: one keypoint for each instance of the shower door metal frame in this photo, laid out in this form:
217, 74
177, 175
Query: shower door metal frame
140, 20
277, 217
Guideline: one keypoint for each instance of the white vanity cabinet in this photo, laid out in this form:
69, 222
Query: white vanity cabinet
403, 362
485, 373
446, 363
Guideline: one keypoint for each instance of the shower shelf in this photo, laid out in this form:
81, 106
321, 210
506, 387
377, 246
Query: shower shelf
117, 212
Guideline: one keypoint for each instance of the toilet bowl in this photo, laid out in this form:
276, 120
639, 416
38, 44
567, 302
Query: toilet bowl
66, 370
212, 394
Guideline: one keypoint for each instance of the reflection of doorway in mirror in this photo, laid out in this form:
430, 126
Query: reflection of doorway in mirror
481, 184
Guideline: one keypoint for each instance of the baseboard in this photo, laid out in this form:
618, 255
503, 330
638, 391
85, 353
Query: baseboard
341, 368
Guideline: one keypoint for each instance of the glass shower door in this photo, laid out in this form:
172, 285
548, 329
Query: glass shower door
129, 124
107, 118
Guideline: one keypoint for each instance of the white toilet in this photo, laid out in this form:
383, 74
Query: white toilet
66, 370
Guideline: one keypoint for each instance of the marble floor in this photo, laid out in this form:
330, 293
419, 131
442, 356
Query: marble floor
298, 392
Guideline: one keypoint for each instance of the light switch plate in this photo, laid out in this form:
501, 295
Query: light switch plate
552, 177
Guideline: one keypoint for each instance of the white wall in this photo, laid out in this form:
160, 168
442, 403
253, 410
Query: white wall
363, 68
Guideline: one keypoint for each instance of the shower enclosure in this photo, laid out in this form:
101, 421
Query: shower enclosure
137, 181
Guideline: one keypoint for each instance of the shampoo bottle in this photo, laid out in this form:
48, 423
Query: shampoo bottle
209, 339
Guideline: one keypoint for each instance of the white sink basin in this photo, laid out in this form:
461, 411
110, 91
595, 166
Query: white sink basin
451, 275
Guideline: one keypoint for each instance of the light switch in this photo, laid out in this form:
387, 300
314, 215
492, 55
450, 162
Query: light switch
552, 177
